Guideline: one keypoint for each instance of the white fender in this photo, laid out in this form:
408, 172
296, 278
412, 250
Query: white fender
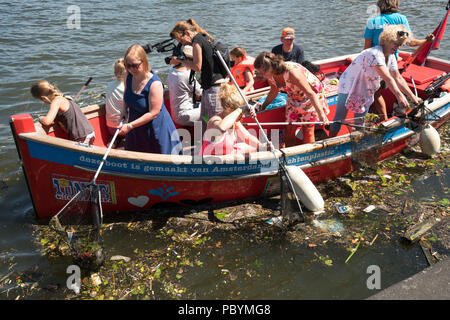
305, 190
430, 141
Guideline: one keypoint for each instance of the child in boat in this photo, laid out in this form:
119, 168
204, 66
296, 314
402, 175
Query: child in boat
115, 108
64, 111
224, 129
243, 70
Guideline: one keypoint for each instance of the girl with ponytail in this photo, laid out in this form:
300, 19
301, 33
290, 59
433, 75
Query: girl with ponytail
64, 111
306, 100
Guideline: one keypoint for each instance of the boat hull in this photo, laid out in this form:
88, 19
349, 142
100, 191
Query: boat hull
56, 169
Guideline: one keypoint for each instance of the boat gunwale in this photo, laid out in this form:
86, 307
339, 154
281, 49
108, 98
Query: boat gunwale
92, 111
40, 137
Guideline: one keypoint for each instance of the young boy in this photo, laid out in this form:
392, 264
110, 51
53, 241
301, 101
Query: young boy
115, 108
243, 70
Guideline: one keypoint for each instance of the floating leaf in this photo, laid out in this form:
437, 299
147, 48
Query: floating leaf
157, 273
221, 215
257, 263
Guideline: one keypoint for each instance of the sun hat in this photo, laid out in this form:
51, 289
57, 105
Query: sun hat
288, 33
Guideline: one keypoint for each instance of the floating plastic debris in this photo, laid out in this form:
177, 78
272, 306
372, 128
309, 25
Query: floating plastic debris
329, 225
340, 208
277, 221
369, 208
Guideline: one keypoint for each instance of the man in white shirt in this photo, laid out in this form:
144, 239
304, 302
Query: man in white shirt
183, 109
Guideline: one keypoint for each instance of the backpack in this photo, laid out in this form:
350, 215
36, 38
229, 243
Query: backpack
225, 53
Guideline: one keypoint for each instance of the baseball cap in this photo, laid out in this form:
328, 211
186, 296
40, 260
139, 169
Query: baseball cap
288, 33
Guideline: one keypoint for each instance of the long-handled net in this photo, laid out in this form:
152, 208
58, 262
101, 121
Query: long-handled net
80, 221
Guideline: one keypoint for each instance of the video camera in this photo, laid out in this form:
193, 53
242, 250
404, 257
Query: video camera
166, 46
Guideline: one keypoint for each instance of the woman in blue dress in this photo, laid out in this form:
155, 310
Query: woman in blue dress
149, 128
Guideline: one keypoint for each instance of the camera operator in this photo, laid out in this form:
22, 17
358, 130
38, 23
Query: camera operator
189, 33
185, 111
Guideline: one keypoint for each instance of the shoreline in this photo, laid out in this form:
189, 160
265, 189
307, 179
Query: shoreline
173, 244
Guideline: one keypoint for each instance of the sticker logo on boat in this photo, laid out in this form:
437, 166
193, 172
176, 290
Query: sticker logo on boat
66, 187
164, 192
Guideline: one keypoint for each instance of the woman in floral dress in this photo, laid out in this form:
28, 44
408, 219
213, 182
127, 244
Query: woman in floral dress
306, 100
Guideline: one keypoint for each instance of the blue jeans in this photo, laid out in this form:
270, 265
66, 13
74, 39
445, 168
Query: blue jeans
341, 113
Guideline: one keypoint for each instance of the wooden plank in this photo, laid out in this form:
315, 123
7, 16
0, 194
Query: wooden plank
428, 251
418, 230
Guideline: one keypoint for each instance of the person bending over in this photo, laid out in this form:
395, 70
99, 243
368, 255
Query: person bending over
361, 79
63, 111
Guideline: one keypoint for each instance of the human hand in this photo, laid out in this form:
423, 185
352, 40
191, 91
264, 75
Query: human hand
124, 129
325, 120
248, 109
403, 102
417, 100
257, 106
252, 111
174, 61
430, 37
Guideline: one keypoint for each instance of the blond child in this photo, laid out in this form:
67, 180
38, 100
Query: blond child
115, 108
224, 129
63, 111
243, 70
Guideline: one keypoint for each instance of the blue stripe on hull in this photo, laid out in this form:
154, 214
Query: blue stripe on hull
72, 158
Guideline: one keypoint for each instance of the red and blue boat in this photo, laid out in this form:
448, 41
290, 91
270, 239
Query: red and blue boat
56, 168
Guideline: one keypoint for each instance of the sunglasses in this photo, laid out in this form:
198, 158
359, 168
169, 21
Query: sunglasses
133, 65
402, 33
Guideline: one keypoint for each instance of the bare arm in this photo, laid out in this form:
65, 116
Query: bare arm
217, 126
246, 136
55, 106
271, 96
249, 80
367, 43
196, 62
392, 84
403, 86
416, 42
227, 122
155, 100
